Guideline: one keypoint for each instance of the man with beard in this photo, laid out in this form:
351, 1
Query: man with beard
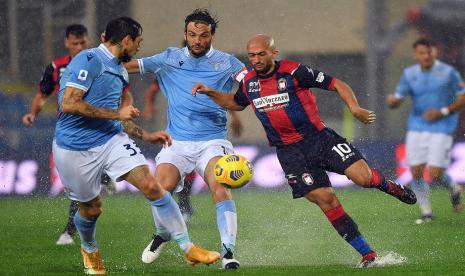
198, 128
279, 94
438, 93
76, 40
91, 140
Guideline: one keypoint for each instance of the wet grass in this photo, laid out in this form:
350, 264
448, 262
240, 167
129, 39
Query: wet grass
276, 236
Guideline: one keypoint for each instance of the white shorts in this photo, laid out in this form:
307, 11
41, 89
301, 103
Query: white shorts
193, 155
81, 171
432, 149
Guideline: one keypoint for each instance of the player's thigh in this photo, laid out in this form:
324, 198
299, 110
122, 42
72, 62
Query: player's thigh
210, 150
80, 172
416, 144
301, 176
173, 163
123, 155
439, 150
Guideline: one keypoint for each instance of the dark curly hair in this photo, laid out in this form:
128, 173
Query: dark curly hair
201, 16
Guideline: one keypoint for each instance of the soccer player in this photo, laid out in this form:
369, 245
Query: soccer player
437, 93
184, 195
90, 140
198, 128
279, 94
76, 40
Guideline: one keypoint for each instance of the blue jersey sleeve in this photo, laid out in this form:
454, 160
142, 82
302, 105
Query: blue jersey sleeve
82, 71
457, 84
152, 64
403, 87
238, 69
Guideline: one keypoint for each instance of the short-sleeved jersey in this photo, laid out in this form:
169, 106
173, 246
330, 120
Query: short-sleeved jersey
189, 118
52, 75
430, 89
100, 74
283, 101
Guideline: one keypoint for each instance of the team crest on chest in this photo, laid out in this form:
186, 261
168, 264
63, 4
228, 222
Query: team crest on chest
216, 64
282, 84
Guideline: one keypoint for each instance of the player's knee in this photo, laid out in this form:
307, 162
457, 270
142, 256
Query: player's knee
151, 188
220, 194
92, 210
324, 198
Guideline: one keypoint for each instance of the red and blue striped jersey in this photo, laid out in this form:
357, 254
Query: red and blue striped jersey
283, 101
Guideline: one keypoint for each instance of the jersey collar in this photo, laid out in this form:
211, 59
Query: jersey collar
107, 53
208, 54
269, 75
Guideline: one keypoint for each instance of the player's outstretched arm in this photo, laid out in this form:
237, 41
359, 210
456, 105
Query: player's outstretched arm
436, 114
36, 106
157, 137
132, 66
236, 124
149, 100
392, 101
74, 104
347, 95
224, 100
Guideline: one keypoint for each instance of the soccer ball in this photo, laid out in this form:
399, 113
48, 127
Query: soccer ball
233, 171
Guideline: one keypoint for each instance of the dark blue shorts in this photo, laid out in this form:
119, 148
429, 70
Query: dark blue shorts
305, 163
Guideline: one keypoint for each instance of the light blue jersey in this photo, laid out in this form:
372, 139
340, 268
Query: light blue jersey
100, 74
194, 118
431, 89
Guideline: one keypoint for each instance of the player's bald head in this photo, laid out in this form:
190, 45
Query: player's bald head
262, 40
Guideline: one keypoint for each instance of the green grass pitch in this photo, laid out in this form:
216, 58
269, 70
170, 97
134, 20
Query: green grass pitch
276, 236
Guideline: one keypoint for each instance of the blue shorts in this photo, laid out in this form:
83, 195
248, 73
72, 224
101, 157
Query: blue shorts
305, 163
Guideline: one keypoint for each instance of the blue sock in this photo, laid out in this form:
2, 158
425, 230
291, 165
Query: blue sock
226, 219
361, 245
169, 222
86, 229
348, 229
447, 182
422, 191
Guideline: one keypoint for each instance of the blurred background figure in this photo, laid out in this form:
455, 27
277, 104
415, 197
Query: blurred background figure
76, 40
438, 93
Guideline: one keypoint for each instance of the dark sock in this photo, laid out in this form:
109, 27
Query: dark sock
348, 229
70, 226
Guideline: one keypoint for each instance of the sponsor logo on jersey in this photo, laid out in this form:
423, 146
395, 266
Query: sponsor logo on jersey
272, 102
310, 70
254, 87
321, 77
282, 84
291, 179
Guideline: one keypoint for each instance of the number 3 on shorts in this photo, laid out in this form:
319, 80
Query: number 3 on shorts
134, 150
